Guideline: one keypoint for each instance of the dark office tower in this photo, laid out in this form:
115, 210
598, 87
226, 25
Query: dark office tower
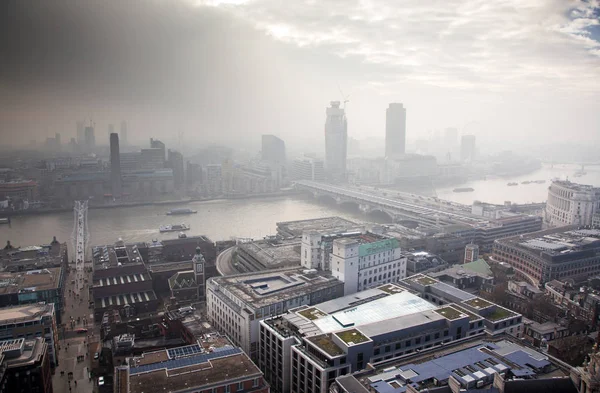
115, 165
273, 150
467, 148
395, 130
90, 138
123, 133
175, 162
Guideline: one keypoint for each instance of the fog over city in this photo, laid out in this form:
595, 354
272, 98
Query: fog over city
513, 73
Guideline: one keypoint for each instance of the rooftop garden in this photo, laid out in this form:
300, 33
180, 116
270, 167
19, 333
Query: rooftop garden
391, 289
499, 314
472, 317
352, 336
312, 313
450, 313
478, 303
326, 344
424, 280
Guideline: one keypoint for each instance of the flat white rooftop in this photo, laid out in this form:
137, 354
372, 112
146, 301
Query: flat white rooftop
382, 309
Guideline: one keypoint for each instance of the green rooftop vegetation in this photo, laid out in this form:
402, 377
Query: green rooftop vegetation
449, 312
391, 289
478, 303
312, 313
352, 336
499, 314
424, 280
472, 317
326, 344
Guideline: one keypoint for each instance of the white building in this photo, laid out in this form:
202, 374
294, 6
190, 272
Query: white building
360, 260
571, 204
395, 130
308, 168
236, 304
336, 141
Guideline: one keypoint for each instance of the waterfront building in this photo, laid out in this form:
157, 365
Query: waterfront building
501, 365
308, 347
359, 259
308, 168
176, 164
221, 368
571, 204
30, 321
471, 253
90, 139
153, 158
19, 189
25, 366
395, 130
467, 148
416, 169
267, 254
336, 142
213, 179
236, 304
565, 253
115, 166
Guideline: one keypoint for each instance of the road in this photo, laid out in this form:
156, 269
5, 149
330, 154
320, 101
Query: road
223, 262
73, 344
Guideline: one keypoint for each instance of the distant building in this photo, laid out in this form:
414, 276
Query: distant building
175, 162
273, 150
307, 168
90, 138
153, 158
193, 176
336, 142
571, 204
410, 167
471, 253
19, 189
467, 148
80, 133
115, 165
395, 130
236, 304
213, 179
156, 144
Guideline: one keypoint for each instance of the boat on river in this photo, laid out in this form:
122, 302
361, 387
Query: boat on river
176, 212
174, 228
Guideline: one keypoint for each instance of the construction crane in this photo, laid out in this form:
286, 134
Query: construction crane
345, 98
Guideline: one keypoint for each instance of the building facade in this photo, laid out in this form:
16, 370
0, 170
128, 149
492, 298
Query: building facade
571, 204
471, 253
115, 165
395, 130
308, 168
467, 148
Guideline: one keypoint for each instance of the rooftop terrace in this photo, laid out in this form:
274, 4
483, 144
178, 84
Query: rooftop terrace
352, 336
295, 228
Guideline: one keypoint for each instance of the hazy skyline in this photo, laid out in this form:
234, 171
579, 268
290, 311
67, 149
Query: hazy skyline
523, 71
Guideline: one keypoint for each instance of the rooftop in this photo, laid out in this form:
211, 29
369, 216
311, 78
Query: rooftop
423, 280
117, 254
264, 288
331, 224
478, 303
556, 241
27, 312
273, 253
30, 281
352, 336
450, 312
326, 343
33, 257
478, 268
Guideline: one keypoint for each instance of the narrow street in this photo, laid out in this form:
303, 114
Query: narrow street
74, 354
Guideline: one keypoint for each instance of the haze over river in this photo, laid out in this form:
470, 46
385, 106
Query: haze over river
255, 218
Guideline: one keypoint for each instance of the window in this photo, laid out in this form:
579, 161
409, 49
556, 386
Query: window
255, 383
227, 389
240, 386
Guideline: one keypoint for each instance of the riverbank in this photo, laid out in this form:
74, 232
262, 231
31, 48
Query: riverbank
178, 202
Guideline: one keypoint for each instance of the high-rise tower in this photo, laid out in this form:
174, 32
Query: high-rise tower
336, 142
395, 130
115, 165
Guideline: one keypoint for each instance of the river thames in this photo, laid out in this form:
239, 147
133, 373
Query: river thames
255, 218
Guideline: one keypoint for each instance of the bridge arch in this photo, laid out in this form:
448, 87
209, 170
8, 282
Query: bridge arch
326, 198
380, 215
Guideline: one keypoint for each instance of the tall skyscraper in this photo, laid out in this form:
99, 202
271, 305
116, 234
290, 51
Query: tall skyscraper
175, 162
80, 133
115, 165
336, 141
123, 132
90, 138
395, 130
467, 148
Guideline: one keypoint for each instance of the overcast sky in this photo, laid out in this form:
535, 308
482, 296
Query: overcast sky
519, 71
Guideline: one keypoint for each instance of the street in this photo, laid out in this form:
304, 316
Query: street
74, 354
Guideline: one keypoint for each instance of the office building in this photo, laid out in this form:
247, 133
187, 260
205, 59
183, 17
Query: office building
273, 150
90, 139
152, 159
115, 166
307, 348
213, 179
499, 365
19, 189
26, 366
295, 229
359, 259
395, 130
80, 133
236, 304
423, 262
336, 142
554, 254
308, 168
175, 162
193, 176
471, 253
571, 204
31, 321
467, 148
267, 254
156, 144
123, 132
191, 368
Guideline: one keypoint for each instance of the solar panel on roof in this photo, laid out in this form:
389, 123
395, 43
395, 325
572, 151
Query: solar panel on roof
184, 351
